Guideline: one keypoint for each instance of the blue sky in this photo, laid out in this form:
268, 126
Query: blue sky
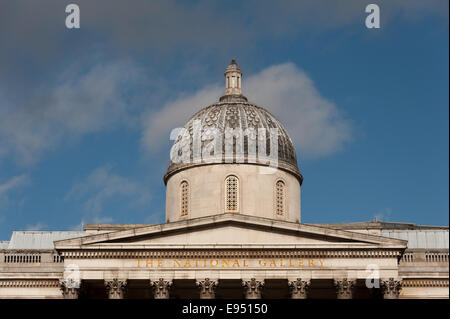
85, 114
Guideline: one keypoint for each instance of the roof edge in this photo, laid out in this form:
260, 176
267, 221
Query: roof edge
382, 225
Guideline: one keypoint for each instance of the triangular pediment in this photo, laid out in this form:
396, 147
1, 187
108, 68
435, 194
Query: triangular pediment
230, 230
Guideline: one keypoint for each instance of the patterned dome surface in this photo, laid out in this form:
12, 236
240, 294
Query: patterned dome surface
235, 112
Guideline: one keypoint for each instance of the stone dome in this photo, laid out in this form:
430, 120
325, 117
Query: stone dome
233, 114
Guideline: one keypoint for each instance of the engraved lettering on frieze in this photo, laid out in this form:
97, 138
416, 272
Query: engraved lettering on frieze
232, 263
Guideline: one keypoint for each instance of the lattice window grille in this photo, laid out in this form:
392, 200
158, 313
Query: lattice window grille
184, 200
232, 194
280, 197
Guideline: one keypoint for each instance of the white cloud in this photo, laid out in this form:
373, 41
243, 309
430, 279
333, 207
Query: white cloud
36, 227
155, 218
80, 103
314, 16
104, 186
167, 25
37, 116
383, 214
315, 124
12, 183
78, 227
158, 124
9, 191
93, 220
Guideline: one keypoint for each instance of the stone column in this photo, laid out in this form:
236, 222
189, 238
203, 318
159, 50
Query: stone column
252, 288
391, 288
299, 288
70, 289
115, 288
344, 288
161, 288
207, 288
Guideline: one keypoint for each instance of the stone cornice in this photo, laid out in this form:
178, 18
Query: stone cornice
284, 166
27, 251
159, 246
204, 253
381, 225
29, 283
425, 283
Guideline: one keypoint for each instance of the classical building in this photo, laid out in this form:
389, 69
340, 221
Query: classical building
233, 230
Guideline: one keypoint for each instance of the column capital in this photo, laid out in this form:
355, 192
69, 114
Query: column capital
70, 288
299, 288
115, 288
253, 288
207, 288
391, 288
161, 288
344, 288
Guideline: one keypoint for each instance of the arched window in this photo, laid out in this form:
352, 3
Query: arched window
231, 194
280, 196
184, 198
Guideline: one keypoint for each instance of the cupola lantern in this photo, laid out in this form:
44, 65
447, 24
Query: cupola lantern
233, 79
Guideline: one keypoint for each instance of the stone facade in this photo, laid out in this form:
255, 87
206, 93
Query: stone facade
230, 238
175, 260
